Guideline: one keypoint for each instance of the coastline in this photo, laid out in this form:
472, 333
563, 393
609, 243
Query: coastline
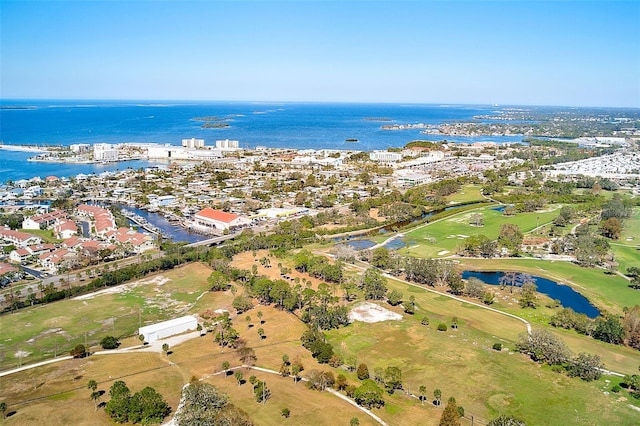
24, 148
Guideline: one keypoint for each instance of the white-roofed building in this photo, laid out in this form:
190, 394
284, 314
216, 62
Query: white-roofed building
168, 328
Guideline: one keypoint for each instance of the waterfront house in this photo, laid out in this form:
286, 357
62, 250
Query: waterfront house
210, 220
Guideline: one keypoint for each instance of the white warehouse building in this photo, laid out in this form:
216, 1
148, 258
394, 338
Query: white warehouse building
165, 329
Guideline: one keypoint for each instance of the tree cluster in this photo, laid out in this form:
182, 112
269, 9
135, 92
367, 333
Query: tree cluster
146, 406
204, 404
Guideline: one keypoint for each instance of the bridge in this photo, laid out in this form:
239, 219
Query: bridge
214, 240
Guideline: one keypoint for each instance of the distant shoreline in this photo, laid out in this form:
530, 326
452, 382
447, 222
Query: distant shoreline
24, 148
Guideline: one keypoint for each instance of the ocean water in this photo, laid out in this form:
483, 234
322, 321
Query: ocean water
275, 125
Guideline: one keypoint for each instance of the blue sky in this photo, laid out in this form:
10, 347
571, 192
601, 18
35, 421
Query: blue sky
582, 53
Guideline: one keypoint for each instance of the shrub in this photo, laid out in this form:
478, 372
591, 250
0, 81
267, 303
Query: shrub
497, 346
79, 351
616, 389
442, 327
109, 342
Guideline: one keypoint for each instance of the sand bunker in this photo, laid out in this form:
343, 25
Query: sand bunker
443, 252
370, 312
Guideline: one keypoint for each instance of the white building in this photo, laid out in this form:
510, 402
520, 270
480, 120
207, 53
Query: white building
165, 329
79, 148
105, 152
385, 156
193, 143
227, 144
208, 220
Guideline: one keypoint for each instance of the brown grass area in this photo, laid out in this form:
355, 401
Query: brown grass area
375, 214
57, 394
308, 407
246, 260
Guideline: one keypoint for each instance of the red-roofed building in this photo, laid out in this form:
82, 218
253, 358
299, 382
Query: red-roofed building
57, 259
103, 219
137, 241
65, 229
43, 221
20, 239
23, 254
210, 220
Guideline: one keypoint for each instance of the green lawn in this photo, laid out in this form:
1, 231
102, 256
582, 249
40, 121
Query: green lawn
466, 194
45, 234
441, 238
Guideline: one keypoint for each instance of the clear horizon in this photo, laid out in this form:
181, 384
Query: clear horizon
266, 101
566, 54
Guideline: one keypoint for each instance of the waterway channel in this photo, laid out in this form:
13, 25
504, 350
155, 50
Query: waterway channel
176, 232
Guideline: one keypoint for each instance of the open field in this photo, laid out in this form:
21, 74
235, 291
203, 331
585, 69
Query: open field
462, 364
42, 331
626, 248
442, 237
466, 194
459, 362
57, 394
308, 407
609, 292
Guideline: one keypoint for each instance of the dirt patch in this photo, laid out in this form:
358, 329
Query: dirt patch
370, 313
157, 280
375, 214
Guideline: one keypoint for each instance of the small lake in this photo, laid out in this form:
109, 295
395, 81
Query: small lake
394, 244
568, 297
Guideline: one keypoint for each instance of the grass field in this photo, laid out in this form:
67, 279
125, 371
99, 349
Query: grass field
626, 248
441, 238
43, 331
57, 394
459, 362
466, 194
462, 364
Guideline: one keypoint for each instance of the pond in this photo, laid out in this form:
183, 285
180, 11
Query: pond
394, 244
568, 297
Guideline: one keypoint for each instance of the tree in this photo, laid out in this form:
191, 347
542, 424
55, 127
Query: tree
95, 394
285, 413
450, 416
374, 284
118, 406
362, 372
79, 351
320, 380
586, 366
423, 393
341, 382
504, 420
437, 394
247, 356
609, 330
369, 395
261, 332
410, 306
394, 298
225, 367
3, 409
393, 379
260, 315
261, 392
511, 237
380, 257
296, 369
354, 421
204, 404
218, 281
165, 348
242, 304
611, 228
528, 295
543, 346
147, 406
109, 342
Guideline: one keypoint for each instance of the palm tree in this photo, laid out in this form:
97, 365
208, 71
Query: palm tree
423, 391
437, 394
238, 376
